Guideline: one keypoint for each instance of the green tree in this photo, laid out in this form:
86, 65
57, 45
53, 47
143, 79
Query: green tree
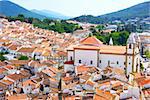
30, 20
90, 34
100, 27
147, 53
93, 30
141, 67
20, 17
119, 38
22, 57
2, 58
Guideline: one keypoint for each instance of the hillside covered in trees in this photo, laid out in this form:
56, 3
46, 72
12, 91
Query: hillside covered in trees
55, 25
119, 37
140, 11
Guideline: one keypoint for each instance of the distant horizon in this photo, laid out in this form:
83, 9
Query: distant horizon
75, 8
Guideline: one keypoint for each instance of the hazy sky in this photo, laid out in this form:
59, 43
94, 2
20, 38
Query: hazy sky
78, 7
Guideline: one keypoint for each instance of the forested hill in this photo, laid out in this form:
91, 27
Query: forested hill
8, 8
141, 10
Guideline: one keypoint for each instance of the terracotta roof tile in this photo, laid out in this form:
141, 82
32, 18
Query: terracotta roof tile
2, 85
13, 47
7, 82
19, 62
2, 70
16, 77
113, 49
29, 82
90, 83
18, 97
103, 95
26, 50
67, 78
91, 41
82, 69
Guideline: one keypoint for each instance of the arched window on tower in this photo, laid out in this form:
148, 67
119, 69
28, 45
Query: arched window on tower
91, 62
130, 46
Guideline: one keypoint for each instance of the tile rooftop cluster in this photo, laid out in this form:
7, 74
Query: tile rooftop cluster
44, 77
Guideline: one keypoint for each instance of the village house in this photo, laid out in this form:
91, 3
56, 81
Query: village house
26, 51
18, 77
37, 66
13, 49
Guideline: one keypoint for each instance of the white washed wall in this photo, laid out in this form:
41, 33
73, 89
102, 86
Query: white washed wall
70, 54
68, 67
86, 56
113, 60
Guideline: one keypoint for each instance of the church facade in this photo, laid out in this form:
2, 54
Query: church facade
92, 52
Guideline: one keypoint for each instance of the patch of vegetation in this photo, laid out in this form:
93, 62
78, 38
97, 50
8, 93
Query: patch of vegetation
100, 27
119, 38
3, 53
22, 57
2, 58
55, 25
147, 53
141, 66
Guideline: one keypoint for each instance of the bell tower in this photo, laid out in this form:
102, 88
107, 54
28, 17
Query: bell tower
132, 55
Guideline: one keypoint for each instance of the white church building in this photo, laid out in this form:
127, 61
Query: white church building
91, 51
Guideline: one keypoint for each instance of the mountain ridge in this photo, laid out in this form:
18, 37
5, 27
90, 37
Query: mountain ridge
49, 13
9, 8
140, 10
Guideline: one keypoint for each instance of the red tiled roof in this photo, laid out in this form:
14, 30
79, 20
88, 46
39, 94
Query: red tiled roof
2, 70
7, 82
113, 49
69, 62
82, 69
146, 81
103, 95
16, 77
25, 49
91, 41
